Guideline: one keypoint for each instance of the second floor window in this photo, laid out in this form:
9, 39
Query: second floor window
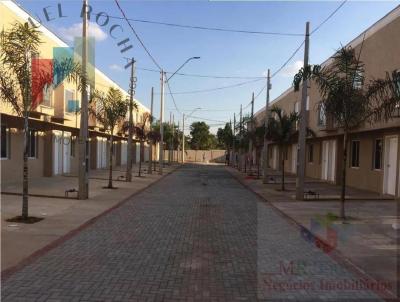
321, 115
355, 154
69, 97
47, 95
358, 80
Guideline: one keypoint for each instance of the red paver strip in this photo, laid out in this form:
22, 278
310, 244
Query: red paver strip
7, 273
337, 256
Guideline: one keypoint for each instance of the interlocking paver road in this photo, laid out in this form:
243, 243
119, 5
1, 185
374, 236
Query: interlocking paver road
197, 235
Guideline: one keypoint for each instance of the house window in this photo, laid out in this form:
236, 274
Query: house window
355, 154
358, 79
321, 115
69, 96
296, 107
5, 142
47, 95
310, 153
73, 145
377, 160
32, 143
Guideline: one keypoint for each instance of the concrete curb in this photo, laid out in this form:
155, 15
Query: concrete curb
337, 256
7, 273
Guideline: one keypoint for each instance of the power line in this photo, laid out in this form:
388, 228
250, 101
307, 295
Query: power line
288, 60
212, 28
205, 119
204, 76
330, 16
137, 36
172, 96
218, 88
302, 43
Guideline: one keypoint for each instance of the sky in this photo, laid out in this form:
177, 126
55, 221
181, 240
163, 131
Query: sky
222, 53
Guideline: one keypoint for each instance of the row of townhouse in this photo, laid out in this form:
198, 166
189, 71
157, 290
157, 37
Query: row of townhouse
374, 150
54, 124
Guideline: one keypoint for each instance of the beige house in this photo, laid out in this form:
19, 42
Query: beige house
374, 150
53, 126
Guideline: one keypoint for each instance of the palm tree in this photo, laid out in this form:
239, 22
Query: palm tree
141, 133
281, 130
22, 80
109, 110
348, 100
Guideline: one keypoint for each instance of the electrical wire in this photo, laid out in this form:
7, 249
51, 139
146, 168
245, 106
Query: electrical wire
172, 96
203, 76
205, 119
137, 36
212, 28
218, 88
330, 16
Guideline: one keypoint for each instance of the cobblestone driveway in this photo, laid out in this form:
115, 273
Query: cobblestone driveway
197, 235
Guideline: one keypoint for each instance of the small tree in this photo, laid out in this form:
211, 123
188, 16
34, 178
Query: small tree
225, 136
21, 88
348, 100
141, 130
281, 130
109, 110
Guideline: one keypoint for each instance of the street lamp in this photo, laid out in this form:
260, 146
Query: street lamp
183, 132
187, 61
164, 80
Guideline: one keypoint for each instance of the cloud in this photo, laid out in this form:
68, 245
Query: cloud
115, 67
75, 30
292, 69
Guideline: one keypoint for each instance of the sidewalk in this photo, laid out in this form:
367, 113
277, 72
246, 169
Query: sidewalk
61, 215
369, 241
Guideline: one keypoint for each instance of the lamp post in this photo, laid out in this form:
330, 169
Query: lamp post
164, 80
183, 132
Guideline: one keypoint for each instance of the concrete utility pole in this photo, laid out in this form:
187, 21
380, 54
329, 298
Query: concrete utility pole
233, 140
173, 137
150, 169
177, 151
128, 176
183, 138
252, 131
170, 139
301, 158
83, 186
265, 157
161, 149
240, 135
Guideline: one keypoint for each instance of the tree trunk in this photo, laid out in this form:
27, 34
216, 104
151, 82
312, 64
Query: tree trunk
25, 172
110, 162
283, 172
344, 166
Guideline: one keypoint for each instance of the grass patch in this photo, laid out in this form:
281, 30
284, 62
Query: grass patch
29, 220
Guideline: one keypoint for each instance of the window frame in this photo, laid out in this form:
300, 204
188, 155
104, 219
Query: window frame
321, 122
66, 100
358, 153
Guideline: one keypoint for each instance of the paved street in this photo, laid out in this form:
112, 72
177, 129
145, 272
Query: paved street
197, 235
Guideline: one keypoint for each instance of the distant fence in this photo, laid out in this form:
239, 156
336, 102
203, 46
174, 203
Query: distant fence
212, 156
